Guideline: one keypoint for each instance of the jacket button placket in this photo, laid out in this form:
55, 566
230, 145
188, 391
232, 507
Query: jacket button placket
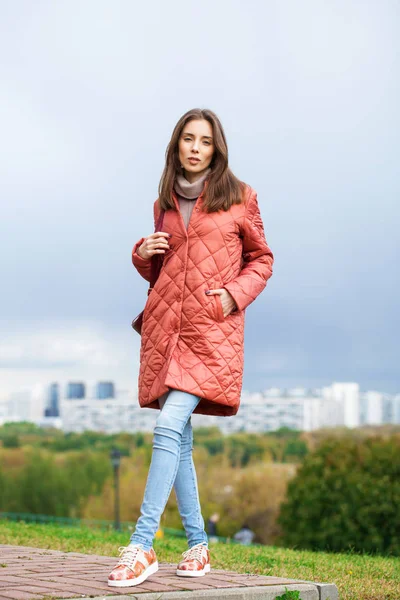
179, 297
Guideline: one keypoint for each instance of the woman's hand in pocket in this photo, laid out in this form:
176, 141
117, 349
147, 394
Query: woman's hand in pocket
227, 301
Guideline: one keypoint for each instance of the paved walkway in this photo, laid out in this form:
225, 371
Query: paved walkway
34, 573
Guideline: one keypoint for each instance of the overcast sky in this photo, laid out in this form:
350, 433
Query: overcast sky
308, 94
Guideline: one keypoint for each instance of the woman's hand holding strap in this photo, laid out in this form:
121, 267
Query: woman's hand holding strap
155, 243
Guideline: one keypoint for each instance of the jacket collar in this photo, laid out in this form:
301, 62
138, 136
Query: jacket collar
197, 204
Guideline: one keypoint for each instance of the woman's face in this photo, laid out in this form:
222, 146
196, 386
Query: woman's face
196, 142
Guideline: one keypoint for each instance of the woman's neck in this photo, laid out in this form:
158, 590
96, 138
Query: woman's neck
193, 177
190, 189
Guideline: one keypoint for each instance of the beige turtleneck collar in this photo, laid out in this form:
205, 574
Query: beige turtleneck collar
187, 190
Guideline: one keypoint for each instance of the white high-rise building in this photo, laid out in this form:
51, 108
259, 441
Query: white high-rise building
331, 410
20, 405
396, 409
372, 408
26, 404
345, 404
4, 414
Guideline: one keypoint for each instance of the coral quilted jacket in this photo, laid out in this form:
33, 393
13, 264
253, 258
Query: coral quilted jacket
186, 342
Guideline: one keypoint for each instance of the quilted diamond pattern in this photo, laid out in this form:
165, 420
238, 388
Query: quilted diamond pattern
186, 342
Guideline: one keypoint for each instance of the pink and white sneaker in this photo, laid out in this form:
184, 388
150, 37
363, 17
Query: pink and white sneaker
134, 566
195, 563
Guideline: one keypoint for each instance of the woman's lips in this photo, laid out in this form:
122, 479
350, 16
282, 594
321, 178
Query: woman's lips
194, 160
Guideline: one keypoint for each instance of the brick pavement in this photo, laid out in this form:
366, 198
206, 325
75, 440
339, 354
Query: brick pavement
34, 573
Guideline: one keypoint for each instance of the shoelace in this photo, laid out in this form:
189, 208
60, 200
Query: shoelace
194, 553
128, 556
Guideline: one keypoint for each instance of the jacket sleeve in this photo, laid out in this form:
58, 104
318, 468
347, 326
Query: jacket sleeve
257, 258
143, 265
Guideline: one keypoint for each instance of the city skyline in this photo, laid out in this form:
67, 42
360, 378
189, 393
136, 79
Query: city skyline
102, 406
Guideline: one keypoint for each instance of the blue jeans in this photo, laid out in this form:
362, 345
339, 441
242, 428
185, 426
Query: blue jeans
172, 465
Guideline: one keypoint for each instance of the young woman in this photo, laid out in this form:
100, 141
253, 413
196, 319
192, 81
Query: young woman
216, 261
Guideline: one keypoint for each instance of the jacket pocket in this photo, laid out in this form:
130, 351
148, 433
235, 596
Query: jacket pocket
213, 303
219, 309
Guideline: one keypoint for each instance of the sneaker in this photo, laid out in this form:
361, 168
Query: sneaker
195, 563
134, 566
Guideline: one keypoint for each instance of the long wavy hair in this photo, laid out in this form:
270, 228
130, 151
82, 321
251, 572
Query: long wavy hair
223, 188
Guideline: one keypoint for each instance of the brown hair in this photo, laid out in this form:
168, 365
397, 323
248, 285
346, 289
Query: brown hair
223, 188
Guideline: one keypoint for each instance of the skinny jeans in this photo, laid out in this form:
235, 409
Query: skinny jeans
172, 466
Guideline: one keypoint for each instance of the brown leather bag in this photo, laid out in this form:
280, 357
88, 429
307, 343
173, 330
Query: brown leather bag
156, 264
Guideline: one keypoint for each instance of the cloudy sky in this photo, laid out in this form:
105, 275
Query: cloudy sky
308, 93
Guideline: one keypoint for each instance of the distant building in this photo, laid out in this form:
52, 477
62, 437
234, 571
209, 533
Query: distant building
104, 390
75, 391
4, 412
396, 409
26, 404
53, 401
54, 422
371, 408
342, 405
389, 408
112, 415
20, 405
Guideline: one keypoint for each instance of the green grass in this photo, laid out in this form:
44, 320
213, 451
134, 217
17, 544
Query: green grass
289, 595
358, 577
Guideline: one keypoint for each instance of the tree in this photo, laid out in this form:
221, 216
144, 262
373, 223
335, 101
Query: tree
346, 496
11, 440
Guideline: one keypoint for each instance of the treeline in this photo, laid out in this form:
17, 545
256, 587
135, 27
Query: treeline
240, 449
39, 482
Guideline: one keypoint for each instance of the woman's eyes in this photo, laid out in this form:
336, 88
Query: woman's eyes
189, 140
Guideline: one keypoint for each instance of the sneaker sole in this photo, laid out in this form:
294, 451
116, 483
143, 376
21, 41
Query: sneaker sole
137, 581
206, 569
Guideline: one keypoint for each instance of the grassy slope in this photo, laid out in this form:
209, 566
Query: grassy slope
358, 577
